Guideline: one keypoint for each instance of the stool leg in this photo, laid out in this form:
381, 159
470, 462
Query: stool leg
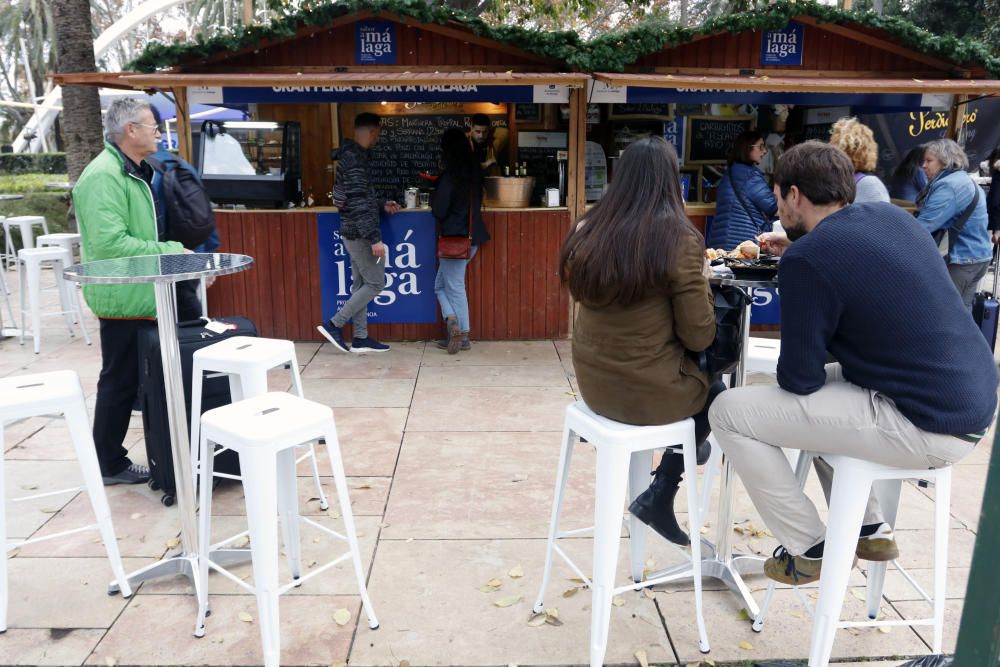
324, 504
22, 291
33, 278
197, 377
288, 510
340, 481
887, 492
65, 304
638, 481
562, 475
612, 472
3, 535
848, 499
260, 486
86, 454
942, 516
694, 524
204, 528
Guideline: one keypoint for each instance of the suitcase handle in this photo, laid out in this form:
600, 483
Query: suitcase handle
996, 268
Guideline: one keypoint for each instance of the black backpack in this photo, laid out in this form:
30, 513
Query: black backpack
190, 220
724, 352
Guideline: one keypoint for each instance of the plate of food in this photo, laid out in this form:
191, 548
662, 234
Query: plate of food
762, 268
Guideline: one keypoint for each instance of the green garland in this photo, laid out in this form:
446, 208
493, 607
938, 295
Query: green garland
611, 52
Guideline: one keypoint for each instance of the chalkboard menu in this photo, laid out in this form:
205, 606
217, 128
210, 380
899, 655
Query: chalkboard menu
409, 145
662, 111
528, 113
710, 138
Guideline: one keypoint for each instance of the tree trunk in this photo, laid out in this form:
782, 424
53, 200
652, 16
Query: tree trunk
81, 115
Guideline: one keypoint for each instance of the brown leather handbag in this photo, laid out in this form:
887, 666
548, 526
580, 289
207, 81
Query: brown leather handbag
457, 247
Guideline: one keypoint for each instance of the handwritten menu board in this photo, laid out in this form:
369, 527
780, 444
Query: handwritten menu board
709, 139
409, 145
662, 111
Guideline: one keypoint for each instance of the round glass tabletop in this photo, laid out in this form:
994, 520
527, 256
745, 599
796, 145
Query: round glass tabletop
157, 268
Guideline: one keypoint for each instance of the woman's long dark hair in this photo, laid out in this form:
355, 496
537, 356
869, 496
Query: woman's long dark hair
625, 248
908, 167
457, 158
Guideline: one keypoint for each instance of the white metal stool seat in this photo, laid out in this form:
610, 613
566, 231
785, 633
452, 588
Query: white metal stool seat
58, 392
246, 360
26, 225
265, 430
624, 460
853, 481
30, 289
62, 239
762, 355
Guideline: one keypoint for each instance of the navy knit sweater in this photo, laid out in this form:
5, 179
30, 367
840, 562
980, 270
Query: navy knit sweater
868, 286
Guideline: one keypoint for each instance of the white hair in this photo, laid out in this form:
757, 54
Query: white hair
948, 153
120, 113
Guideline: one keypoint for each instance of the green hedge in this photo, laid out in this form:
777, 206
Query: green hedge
32, 163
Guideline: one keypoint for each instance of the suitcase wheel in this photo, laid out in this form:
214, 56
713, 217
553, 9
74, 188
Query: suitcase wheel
167, 500
153, 485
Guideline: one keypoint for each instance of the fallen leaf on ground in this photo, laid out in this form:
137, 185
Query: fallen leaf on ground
32, 487
339, 663
552, 612
537, 620
333, 514
516, 572
570, 592
312, 564
618, 601
650, 563
746, 646
486, 589
245, 617
577, 579
744, 614
110, 662
404, 663
315, 540
648, 592
643, 659
364, 486
553, 620
507, 601
494, 583
341, 616
704, 530
884, 629
137, 515
173, 542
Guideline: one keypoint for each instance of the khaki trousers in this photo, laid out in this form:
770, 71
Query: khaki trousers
753, 424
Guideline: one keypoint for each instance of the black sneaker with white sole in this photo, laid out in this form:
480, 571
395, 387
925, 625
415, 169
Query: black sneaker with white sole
334, 335
369, 344
133, 474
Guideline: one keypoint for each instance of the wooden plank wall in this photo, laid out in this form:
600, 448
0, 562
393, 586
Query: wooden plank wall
513, 283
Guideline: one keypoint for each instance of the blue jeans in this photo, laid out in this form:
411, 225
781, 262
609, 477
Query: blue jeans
449, 287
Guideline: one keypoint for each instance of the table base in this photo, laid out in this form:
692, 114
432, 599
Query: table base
182, 564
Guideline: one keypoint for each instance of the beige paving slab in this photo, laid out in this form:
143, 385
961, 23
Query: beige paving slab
309, 635
952, 621
536, 375
368, 496
916, 548
359, 393
64, 592
25, 428
318, 548
28, 478
369, 442
968, 486
400, 363
488, 409
487, 485
897, 589
305, 351
51, 646
432, 613
785, 635
496, 353
53, 443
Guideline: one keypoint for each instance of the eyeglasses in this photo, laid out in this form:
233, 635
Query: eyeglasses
760, 146
156, 128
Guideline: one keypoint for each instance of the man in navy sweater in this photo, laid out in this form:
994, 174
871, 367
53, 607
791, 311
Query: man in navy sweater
915, 383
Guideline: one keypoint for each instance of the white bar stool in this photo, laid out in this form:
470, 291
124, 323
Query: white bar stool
624, 460
853, 481
58, 392
246, 361
30, 288
26, 224
62, 239
264, 431
762, 355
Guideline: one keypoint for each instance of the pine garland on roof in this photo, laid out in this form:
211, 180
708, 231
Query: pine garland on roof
608, 53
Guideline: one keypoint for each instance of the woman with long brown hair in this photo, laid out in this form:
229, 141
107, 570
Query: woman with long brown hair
635, 265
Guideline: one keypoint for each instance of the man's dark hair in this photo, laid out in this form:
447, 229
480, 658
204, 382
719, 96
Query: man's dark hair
481, 119
822, 173
743, 146
367, 119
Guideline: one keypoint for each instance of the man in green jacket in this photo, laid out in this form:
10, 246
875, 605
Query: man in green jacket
117, 218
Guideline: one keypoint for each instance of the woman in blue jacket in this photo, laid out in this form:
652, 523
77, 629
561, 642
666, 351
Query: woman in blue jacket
942, 205
745, 204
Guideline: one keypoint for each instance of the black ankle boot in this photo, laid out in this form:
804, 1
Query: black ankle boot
655, 508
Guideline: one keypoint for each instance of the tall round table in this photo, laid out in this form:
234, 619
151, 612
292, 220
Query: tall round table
163, 272
719, 561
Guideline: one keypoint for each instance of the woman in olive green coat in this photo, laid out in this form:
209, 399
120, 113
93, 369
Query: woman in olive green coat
636, 267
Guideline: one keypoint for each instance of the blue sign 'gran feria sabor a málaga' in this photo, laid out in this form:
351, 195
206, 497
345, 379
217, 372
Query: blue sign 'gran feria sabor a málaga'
375, 43
783, 47
410, 268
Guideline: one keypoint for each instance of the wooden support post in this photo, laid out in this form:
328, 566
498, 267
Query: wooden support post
956, 117
979, 632
576, 196
183, 124
511, 135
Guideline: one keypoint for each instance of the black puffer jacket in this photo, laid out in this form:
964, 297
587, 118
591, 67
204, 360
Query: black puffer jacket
353, 194
451, 206
993, 198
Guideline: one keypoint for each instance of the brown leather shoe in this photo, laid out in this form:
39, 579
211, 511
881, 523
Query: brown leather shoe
880, 546
785, 568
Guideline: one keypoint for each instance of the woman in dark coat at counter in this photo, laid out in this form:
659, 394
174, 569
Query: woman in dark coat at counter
457, 203
745, 204
636, 267
993, 196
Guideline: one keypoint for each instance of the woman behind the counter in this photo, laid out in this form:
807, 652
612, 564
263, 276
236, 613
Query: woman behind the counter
745, 204
457, 203
635, 266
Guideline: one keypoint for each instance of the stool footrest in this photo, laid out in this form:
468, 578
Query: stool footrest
47, 494
53, 536
569, 561
318, 570
229, 575
574, 532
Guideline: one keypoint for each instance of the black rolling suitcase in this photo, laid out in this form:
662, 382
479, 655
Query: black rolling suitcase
986, 309
191, 336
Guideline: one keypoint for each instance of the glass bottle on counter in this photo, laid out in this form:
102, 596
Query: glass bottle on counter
506, 170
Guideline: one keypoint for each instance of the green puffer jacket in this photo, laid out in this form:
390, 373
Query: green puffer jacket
115, 214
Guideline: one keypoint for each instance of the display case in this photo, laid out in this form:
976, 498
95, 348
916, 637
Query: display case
256, 164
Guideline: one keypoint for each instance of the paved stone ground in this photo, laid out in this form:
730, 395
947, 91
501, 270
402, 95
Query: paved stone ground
450, 462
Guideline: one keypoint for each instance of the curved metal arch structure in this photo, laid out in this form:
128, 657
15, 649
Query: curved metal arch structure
47, 112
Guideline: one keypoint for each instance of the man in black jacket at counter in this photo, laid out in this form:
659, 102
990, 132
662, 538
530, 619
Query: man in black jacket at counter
359, 208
